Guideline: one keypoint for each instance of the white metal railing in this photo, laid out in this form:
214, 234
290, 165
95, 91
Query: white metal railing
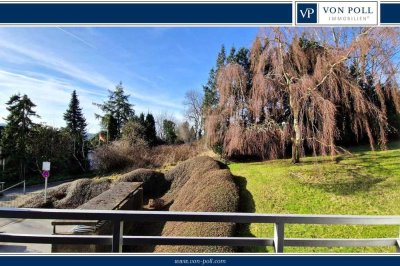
13, 186
117, 239
11, 199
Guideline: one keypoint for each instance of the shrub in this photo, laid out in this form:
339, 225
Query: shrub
154, 183
172, 154
119, 155
134, 133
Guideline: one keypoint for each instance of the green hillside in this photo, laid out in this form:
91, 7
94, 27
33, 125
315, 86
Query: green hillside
366, 182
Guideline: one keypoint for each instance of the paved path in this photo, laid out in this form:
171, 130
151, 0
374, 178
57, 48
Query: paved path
10, 197
26, 226
34, 188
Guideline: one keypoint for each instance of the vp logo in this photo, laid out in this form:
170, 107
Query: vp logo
307, 13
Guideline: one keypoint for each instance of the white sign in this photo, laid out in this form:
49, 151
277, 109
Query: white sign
348, 13
46, 166
46, 170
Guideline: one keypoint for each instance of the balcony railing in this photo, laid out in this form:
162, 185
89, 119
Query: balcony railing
117, 239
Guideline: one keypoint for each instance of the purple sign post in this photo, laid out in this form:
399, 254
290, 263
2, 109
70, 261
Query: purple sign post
45, 174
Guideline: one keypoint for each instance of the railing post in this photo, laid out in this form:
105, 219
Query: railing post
118, 232
398, 246
279, 235
24, 187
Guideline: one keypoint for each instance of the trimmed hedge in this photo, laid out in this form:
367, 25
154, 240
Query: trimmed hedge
200, 185
68, 195
197, 185
179, 175
154, 183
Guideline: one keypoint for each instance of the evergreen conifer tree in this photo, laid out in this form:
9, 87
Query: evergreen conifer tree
117, 111
210, 99
76, 127
169, 131
150, 125
16, 136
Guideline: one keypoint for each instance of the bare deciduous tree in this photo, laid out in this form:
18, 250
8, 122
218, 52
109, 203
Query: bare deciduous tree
185, 133
297, 82
159, 120
193, 110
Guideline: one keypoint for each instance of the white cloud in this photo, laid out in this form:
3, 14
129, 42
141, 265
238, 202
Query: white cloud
51, 61
48, 78
77, 37
50, 95
155, 100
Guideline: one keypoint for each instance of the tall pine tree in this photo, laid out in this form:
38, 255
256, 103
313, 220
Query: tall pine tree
151, 134
210, 99
231, 56
109, 124
169, 131
76, 127
117, 110
76, 122
17, 133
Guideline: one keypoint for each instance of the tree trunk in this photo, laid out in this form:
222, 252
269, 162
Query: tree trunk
296, 142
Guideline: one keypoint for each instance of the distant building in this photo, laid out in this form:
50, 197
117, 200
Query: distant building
90, 156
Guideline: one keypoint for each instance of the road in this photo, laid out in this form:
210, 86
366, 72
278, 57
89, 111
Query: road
34, 188
25, 226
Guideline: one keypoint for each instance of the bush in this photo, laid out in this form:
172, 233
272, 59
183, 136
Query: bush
200, 185
172, 154
119, 155
134, 133
154, 183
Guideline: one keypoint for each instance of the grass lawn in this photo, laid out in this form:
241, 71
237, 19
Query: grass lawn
366, 183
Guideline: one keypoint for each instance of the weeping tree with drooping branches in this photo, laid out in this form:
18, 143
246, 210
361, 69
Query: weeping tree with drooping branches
298, 86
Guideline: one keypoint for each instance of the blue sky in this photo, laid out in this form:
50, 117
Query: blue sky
156, 65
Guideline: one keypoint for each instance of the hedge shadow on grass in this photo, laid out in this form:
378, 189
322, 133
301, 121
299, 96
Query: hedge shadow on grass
246, 204
358, 183
362, 175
